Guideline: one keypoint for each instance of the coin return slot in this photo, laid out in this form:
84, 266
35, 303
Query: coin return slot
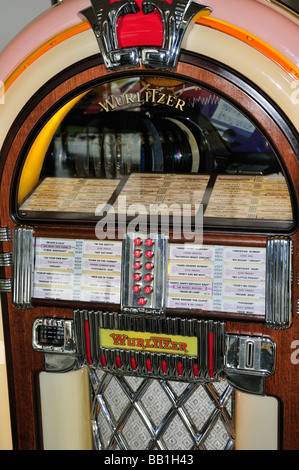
249, 355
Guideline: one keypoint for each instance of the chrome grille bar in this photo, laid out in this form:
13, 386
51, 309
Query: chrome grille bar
279, 283
23, 256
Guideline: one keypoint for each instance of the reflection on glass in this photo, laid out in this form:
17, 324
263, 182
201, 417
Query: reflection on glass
159, 128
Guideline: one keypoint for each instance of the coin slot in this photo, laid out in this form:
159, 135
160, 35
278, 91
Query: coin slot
249, 355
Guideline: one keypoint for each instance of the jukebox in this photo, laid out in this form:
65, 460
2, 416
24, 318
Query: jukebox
149, 226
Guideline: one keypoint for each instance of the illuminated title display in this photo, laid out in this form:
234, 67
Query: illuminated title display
144, 341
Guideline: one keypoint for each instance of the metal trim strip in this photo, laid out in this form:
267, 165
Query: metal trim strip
278, 299
23, 256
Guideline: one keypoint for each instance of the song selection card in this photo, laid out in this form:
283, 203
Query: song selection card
100, 273
233, 196
250, 197
82, 270
70, 195
217, 278
212, 278
157, 193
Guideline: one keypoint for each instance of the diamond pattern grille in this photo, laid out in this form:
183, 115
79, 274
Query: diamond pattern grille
136, 413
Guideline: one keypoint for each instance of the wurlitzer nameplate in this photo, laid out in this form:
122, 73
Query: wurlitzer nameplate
144, 273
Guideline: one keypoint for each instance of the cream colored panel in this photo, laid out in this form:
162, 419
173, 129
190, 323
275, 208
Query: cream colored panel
40, 72
256, 422
5, 429
249, 62
243, 58
65, 408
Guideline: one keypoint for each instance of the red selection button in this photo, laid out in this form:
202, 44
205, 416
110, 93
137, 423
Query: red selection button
148, 277
136, 289
148, 266
148, 289
149, 253
136, 277
137, 265
142, 301
149, 242
137, 253
137, 242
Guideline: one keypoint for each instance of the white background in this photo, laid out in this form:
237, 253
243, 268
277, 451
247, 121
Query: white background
16, 14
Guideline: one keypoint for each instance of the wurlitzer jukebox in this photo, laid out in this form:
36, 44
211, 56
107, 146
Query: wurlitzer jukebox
149, 226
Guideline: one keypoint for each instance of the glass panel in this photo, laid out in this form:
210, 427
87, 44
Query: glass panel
154, 141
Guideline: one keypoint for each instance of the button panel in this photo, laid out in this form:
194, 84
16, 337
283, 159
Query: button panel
144, 272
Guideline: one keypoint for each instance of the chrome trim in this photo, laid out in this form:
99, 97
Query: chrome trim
176, 18
278, 308
60, 363
5, 234
250, 354
244, 361
155, 300
103, 17
5, 259
53, 328
5, 285
155, 325
133, 413
23, 257
248, 361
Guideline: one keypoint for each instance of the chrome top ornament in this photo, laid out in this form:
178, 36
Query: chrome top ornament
103, 18
176, 17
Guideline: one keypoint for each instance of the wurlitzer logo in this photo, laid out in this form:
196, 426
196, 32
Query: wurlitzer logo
176, 17
144, 341
150, 95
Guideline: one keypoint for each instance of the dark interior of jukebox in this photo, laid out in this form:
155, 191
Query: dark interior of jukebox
156, 141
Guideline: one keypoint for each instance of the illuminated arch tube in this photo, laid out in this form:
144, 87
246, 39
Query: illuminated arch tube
267, 75
61, 47
69, 41
64, 20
